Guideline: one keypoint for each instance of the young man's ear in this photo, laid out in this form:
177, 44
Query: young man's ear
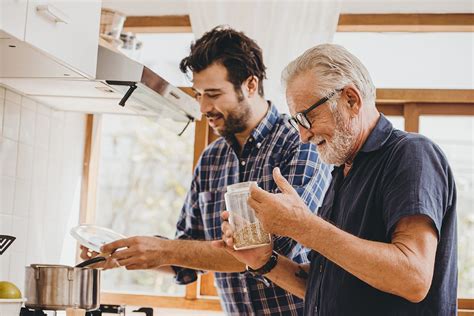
251, 86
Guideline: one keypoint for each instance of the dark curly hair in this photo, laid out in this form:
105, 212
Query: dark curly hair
239, 54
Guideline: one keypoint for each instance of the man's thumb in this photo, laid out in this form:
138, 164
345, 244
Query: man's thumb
281, 182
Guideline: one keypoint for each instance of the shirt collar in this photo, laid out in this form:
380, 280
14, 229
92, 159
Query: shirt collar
379, 135
266, 124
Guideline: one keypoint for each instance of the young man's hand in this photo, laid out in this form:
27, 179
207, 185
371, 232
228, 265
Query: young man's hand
139, 252
110, 263
254, 258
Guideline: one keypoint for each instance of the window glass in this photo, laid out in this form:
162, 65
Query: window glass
414, 60
145, 170
455, 135
398, 122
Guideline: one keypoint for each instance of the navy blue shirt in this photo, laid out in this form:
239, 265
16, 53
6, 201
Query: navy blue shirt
395, 174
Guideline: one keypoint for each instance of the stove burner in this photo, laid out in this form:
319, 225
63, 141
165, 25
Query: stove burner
28, 312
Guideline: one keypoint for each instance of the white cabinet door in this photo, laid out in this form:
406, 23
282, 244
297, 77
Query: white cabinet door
68, 30
13, 17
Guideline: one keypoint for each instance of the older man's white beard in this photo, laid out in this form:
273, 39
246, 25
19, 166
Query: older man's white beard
337, 150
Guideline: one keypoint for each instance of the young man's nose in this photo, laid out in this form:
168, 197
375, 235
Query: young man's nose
205, 106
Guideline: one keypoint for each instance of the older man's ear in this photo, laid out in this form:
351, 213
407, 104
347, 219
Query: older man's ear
352, 100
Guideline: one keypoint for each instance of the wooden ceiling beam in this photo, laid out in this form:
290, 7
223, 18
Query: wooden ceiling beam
388, 96
158, 24
406, 23
450, 22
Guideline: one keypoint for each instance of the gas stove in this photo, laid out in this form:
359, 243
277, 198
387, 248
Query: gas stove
103, 310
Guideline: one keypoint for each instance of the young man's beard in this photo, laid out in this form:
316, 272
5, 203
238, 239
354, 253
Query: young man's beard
236, 120
337, 150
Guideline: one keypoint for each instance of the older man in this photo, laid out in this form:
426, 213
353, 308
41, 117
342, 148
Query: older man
384, 242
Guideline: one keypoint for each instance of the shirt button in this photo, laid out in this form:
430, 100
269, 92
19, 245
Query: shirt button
320, 268
244, 290
242, 163
259, 145
315, 309
250, 139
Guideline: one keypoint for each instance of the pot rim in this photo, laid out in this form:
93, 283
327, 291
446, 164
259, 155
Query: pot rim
49, 266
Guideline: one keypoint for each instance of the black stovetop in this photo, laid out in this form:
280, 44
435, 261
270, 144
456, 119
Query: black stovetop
114, 309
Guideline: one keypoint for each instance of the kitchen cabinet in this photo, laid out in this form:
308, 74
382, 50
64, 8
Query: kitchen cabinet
13, 17
66, 30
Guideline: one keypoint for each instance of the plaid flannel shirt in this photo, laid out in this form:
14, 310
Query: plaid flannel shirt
273, 143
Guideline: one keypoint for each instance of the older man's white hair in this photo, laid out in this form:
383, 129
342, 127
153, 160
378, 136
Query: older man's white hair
334, 67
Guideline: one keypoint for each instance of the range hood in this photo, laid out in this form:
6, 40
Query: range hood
138, 82
121, 85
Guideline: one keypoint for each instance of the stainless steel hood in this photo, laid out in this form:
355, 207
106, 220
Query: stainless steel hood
121, 85
137, 82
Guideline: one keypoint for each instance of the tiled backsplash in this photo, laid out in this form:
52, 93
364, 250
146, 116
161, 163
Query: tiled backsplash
41, 156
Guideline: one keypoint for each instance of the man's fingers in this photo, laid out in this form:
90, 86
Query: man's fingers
111, 247
257, 194
86, 253
122, 254
225, 216
281, 182
128, 262
226, 227
253, 204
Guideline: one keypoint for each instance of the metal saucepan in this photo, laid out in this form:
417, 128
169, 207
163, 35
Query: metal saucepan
57, 287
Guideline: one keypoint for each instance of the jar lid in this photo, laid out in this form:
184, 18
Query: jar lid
240, 187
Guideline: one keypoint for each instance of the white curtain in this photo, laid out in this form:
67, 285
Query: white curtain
283, 29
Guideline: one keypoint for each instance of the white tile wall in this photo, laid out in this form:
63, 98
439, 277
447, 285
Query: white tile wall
8, 157
41, 155
2, 106
11, 120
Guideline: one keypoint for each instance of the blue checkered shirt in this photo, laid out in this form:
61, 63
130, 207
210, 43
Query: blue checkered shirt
273, 143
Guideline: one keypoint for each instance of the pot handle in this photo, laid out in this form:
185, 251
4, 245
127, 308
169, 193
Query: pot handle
90, 261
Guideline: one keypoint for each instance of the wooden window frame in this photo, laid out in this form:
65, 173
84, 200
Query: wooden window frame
202, 295
452, 22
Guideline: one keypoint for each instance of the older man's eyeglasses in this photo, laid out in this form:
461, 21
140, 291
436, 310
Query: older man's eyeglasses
301, 117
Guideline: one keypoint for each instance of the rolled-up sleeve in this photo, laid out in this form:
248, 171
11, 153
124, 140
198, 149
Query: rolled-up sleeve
189, 226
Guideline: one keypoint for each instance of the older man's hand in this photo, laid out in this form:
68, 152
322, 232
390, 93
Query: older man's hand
281, 213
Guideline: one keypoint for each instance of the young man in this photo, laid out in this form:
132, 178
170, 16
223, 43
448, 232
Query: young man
228, 71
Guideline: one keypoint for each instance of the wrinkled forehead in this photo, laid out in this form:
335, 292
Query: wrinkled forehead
301, 93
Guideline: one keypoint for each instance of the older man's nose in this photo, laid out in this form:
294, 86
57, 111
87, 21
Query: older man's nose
305, 134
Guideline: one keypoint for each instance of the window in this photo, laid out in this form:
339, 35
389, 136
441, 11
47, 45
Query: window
414, 60
398, 122
456, 139
145, 170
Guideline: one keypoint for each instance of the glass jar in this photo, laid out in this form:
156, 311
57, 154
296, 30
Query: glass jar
248, 232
